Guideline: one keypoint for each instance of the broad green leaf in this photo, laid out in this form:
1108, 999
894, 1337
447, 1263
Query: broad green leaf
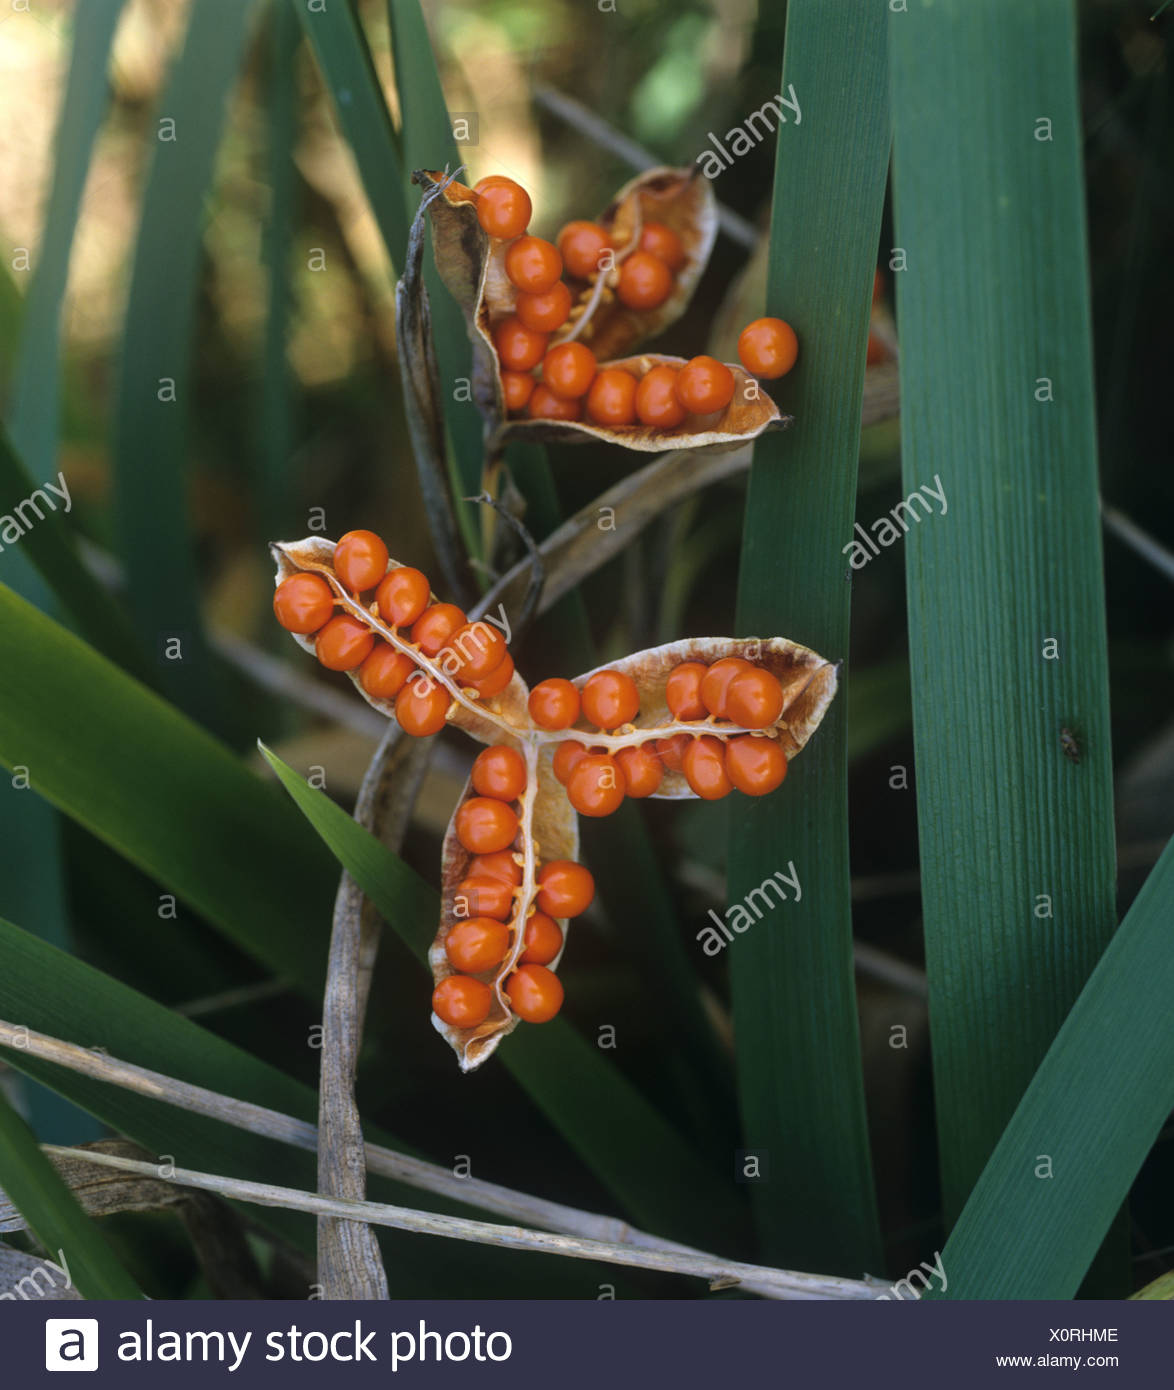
1006, 596
1093, 1110
129, 767
798, 1046
593, 1107
54, 1215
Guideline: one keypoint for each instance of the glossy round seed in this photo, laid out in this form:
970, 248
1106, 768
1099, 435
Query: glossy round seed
500, 772
597, 785
501, 865
535, 993
768, 348
517, 388
384, 672
421, 707
566, 755
344, 643
568, 370
482, 896
518, 347
477, 651
612, 398
461, 1001
657, 403
402, 596
360, 560
703, 764
754, 699
704, 385
496, 681
545, 312
642, 769
610, 698
545, 405
581, 245
715, 684
503, 207
683, 690
565, 889
533, 265
484, 825
554, 704
303, 603
671, 750
755, 766
435, 626
645, 282
477, 945
663, 243
542, 940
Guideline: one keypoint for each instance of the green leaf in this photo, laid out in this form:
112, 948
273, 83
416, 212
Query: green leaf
1006, 597
600, 1115
1102, 1093
349, 74
793, 983
155, 383
123, 763
54, 1215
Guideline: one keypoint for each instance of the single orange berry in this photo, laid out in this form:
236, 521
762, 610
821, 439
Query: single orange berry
566, 755
488, 181
715, 684
484, 825
546, 311
402, 596
876, 351
755, 765
663, 243
545, 405
612, 398
656, 399
704, 766
581, 245
360, 560
421, 707
682, 693
568, 370
496, 681
477, 649
533, 265
610, 698
516, 387
596, 787
503, 207
344, 643
303, 603
482, 896
384, 672
535, 993
543, 940
477, 945
768, 347
671, 750
461, 1001
500, 772
554, 704
754, 699
645, 281
519, 347
433, 628
565, 889
704, 385
501, 865
642, 770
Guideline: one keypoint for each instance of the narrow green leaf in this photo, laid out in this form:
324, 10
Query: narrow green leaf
793, 983
155, 381
1006, 597
350, 77
600, 1115
1103, 1090
69, 1236
123, 763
